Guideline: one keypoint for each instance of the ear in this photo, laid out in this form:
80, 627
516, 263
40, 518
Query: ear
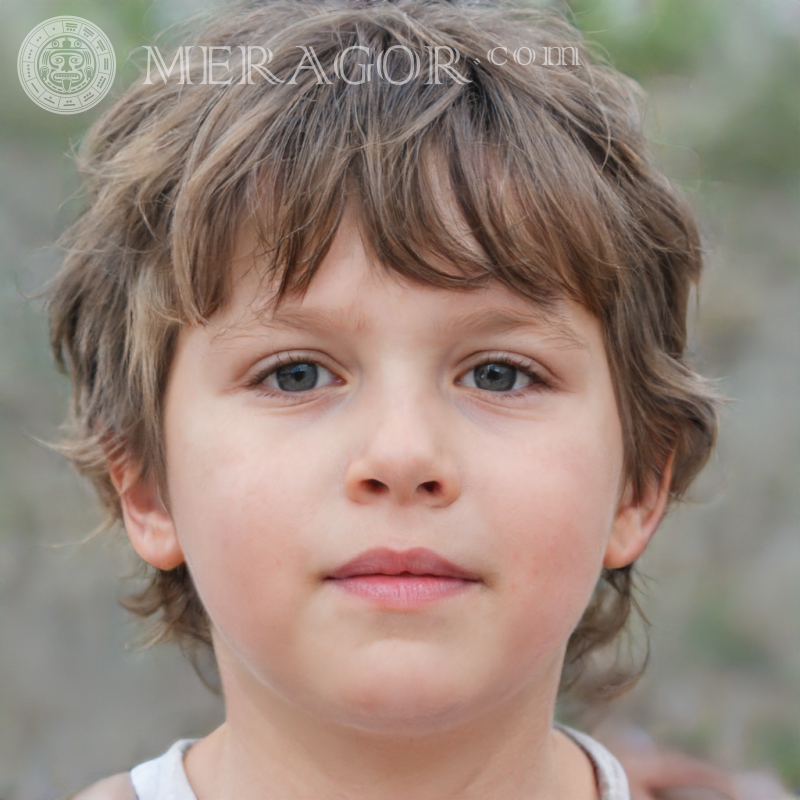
636, 521
148, 522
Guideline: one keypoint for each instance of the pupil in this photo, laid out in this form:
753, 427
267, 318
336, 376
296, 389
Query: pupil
495, 377
297, 377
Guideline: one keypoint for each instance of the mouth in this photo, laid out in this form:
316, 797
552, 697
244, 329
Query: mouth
402, 580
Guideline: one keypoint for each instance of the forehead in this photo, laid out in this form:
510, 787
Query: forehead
351, 285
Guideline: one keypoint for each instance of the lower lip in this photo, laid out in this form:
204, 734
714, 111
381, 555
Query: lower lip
402, 591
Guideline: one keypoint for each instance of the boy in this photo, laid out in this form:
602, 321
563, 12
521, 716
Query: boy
378, 355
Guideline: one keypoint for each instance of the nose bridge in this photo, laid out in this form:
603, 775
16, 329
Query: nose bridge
403, 450
403, 423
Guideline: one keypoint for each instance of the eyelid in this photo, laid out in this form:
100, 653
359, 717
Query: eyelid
542, 378
499, 356
275, 362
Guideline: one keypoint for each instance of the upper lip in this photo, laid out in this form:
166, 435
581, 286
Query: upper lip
416, 561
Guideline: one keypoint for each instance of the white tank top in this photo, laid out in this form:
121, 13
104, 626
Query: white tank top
164, 778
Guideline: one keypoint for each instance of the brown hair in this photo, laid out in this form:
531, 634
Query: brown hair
546, 166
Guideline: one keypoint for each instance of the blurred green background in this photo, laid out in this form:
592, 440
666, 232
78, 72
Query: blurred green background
723, 589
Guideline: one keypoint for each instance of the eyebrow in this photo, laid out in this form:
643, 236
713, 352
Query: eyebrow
481, 321
491, 320
318, 320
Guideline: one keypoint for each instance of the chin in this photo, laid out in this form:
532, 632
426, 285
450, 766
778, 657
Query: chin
404, 699
406, 718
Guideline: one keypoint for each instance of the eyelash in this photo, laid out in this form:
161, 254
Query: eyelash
538, 383
527, 368
278, 361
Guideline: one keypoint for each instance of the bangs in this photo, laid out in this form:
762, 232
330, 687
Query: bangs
456, 183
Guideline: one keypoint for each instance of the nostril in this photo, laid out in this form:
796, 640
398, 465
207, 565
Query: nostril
375, 487
431, 487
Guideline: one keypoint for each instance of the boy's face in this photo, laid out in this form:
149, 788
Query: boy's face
468, 428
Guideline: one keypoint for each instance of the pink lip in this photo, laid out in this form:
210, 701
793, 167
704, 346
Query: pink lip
402, 580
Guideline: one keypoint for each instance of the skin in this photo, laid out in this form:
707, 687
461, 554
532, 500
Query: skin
269, 491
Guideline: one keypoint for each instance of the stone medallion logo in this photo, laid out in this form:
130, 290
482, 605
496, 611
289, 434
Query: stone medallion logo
66, 65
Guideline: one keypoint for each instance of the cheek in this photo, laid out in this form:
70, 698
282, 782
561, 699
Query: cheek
552, 504
239, 511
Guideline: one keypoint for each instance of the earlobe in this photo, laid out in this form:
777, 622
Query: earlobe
148, 522
637, 521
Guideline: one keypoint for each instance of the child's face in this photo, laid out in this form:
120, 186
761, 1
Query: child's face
392, 432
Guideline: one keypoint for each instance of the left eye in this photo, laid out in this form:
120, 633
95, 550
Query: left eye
497, 376
298, 376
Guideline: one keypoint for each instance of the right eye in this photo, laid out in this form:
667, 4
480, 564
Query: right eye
297, 376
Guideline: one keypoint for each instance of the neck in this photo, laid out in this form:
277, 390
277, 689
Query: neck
271, 749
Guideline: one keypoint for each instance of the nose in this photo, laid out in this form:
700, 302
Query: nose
403, 456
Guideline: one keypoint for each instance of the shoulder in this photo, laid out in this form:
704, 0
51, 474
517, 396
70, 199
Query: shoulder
611, 781
117, 787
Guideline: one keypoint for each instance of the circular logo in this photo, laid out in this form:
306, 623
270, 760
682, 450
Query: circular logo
66, 65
